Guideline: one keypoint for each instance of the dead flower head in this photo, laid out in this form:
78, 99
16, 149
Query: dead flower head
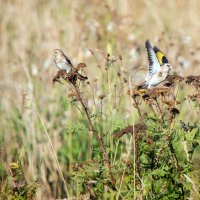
193, 80
174, 111
71, 77
129, 129
173, 78
195, 97
102, 96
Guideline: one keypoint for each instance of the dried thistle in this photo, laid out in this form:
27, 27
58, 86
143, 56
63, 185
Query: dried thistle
149, 140
169, 102
135, 92
110, 59
173, 78
193, 80
195, 97
169, 84
71, 77
174, 111
129, 129
125, 80
190, 79
102, 96
155, 93
59, 75
81, 66
160, 91
146, 97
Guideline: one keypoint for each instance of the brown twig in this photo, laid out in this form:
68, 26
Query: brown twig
91, 126
130, 129
71, 77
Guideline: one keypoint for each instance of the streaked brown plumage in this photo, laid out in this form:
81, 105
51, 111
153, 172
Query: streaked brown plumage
63, 63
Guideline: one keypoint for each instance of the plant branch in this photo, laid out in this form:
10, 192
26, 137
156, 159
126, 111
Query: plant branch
92, 127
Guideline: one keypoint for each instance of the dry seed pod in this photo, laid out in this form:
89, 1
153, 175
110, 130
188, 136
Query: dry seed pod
133, 93
174, 112
102, 96
72, 93
129, 129
169, 84
81, 66
145, 97
191, 79
173, 78
195, 97
168, 102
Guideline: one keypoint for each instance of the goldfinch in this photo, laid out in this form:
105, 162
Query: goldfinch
159, 67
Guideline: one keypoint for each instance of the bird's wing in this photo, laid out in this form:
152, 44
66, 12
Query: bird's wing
154, 65
160, 56
68, 60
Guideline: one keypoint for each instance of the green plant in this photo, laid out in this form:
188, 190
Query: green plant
158, 163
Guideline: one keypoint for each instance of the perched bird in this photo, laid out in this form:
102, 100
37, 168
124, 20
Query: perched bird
63, 63
159, 67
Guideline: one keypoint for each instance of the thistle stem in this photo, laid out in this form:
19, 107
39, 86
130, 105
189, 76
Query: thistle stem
92, 127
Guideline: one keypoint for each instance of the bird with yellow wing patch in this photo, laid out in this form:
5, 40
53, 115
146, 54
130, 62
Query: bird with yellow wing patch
159, 67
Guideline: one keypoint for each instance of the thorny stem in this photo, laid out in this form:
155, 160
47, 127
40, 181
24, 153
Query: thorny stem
92, 127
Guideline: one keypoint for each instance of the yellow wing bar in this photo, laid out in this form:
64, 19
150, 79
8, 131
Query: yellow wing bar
160, 56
